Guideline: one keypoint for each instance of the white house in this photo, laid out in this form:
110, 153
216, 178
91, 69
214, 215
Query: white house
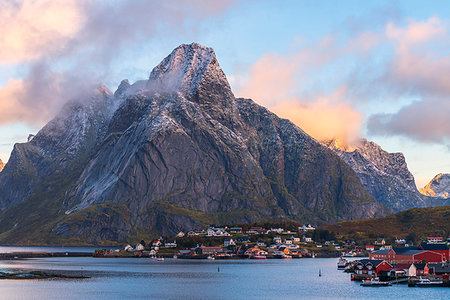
307, 239
128, 248
140, 247
229, 242
277, 240
288, 241
400, 241
170, 244
277, 230
216, 232
305, 228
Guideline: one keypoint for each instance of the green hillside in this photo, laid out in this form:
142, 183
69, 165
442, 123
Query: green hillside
414, 224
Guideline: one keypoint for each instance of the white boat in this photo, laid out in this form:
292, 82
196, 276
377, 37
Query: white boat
342, 263
425, 282
375, 282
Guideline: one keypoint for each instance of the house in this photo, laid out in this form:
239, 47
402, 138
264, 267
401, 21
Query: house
260, 243
337, 247
386, 247
212, 231
243, 240
406, 255
282, 251
288, 241
228, 242
437, 247
277, 240
418, 270
207, 250
295, 239
305, 228
139, 247
277, 230
441, 270
256, 230
307, 239
235, 230
293, 246
156, 243
170, 244
435, 239
370, 248
400, 241
180, 234
380, 242
128, 248
192, 234
367, 268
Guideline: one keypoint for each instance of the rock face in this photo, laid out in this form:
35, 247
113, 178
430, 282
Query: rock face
438, 187
169, 154
384, 175
2, 165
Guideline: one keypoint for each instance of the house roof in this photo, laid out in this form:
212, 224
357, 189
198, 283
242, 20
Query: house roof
402, 266
374, 262
384, 251
420, 266
440, 268
410, 252
402, 250
426, 246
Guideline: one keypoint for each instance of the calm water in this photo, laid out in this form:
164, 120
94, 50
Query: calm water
130, 278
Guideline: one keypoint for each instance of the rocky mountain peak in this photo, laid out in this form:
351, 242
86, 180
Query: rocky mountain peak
186, 68
384, 175
438, 187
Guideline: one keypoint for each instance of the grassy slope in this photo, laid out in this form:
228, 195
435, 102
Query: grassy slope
422, 222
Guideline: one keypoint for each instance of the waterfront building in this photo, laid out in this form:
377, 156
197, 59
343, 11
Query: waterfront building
418, 270
437, 247
435, 239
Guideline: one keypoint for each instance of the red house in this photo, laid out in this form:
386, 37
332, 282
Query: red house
370, 247
367, 268
407, 255
439, 248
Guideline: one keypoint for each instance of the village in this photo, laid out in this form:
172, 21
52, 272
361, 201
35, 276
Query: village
426, 264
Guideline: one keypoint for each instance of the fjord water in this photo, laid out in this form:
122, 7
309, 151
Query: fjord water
144, 278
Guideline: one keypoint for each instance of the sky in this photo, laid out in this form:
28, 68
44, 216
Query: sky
373, 69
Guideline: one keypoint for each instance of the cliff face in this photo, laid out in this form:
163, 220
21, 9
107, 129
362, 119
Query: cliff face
438, 187
384, 175
2, 165
167, 154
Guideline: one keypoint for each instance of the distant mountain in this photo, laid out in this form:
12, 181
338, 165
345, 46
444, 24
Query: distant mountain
416, 223
2, 165
171, 153
438, 187
384, 175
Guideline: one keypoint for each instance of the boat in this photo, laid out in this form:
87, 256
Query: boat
375, 282
211, 258
425, 282
258, 257
287, 257
342, 263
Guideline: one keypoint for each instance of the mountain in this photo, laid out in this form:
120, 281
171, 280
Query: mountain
171, 153
416, 224
438, 187
384, 175
2, 165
